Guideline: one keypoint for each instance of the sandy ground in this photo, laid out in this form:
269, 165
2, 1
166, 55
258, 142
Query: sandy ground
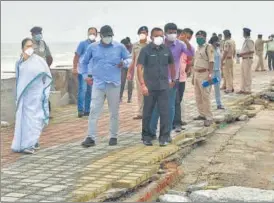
241, 154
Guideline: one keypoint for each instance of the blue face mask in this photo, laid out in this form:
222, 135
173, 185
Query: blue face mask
38, 37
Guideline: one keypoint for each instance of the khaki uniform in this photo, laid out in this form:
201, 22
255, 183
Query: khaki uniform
224, 86
135, 54
247, 60
41, 49
259, 50
229, 47
201, 67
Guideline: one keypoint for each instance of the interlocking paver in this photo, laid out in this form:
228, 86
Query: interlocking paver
74, 170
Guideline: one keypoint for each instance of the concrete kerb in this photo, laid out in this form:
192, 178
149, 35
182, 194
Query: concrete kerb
152, 191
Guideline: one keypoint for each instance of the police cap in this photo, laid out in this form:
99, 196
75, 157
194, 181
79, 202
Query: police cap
246, 30
201, 32
36, 30
143, 28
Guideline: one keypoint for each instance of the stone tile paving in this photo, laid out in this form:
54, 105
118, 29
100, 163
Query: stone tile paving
57, 172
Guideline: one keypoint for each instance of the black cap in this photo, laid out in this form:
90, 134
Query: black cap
201, 32
126, 41
143, 28
36, 30
213, 39
226, 32
106, 30
247, 30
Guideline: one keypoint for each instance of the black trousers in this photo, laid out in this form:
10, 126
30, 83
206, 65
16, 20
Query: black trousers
123, 83
159, 97
179, 96
270, 55
49, 107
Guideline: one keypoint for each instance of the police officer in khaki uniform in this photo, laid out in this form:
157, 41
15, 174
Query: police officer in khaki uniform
227, 61
259, 51
203, 69
40, 48
132, 70
246, 53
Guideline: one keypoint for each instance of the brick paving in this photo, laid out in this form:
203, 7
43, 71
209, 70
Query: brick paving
62, 167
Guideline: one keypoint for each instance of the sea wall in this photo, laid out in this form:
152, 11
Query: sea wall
8, 99
65, 91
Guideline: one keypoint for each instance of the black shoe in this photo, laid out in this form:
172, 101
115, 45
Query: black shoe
86, 114
147, 143
80, 114
183, 123
201, 118
220, 107
88, 142
112, 142
129, 101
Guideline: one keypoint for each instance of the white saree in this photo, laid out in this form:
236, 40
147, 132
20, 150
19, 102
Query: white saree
33, 81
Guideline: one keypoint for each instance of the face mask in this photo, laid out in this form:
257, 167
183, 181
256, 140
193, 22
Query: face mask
158, 40
38, 37
142, 36
200, 41
107, 40
171, 37
92, 37
29, 51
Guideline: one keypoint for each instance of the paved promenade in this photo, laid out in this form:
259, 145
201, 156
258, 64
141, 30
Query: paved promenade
63, 170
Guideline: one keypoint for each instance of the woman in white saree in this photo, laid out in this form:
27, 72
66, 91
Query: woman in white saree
33, 80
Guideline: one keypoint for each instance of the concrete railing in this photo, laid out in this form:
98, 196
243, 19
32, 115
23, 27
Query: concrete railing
65, 91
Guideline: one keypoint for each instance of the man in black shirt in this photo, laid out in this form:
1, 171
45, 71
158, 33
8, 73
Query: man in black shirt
155, 62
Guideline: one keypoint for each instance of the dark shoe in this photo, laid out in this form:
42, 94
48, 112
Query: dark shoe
88, 142
50, 117
232, 89
199, 118
183, 123
80, 114
147, 143
129, 101
137, 117
178, 129
207, 123
113, 141
86, 114
163, 143
220, 107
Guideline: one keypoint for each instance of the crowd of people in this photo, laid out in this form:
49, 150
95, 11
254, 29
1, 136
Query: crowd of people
159, 65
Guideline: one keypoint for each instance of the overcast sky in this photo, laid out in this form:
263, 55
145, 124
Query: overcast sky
67, 21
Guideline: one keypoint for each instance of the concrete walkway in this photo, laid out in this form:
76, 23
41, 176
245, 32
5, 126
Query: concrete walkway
63, 170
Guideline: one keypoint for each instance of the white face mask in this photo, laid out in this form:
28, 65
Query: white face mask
142, 36
158, 40
29, 51
171, 37
107, 40
92, 37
